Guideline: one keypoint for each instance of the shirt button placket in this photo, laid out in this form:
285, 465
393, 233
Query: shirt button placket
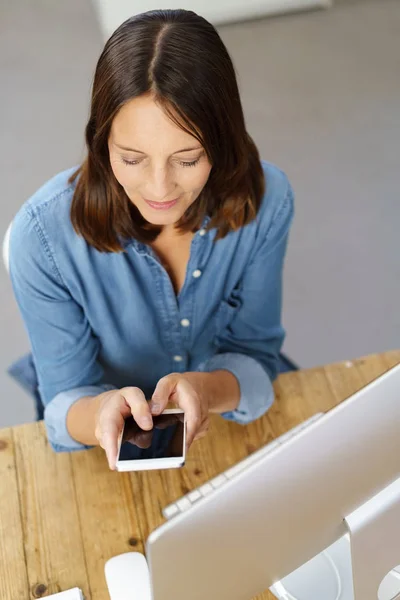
185, 322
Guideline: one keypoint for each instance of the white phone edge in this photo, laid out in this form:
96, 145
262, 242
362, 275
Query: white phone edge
152, 464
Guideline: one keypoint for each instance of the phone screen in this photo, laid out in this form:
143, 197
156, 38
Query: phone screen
164, 440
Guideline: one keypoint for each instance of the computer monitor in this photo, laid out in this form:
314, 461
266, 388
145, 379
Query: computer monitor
290, 504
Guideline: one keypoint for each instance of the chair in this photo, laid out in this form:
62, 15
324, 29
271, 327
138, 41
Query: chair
6, 248
23, 370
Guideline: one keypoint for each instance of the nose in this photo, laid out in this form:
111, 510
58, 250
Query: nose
160, 184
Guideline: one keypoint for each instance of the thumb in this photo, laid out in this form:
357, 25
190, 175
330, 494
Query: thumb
109, 443
164, 389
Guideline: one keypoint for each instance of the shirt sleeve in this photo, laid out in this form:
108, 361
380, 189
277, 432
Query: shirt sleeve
64, 347
249, 345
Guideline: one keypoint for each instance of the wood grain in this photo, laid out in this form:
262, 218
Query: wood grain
348, 377
13, 575
107, 515
62, 516
52, 538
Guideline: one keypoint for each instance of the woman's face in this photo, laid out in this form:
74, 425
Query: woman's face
161, 167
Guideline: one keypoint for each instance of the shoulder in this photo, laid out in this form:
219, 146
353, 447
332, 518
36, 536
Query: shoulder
274, 218
47, 209
56, 192
276, 211
278, 197
43, 223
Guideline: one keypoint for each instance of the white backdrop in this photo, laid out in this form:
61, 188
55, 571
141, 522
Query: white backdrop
113, 12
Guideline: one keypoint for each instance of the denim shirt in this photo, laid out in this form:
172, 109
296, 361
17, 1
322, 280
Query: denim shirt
103, 320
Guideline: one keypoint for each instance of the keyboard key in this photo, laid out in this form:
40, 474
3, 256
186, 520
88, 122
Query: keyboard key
206, 489
183, 503
194, 496
218, 481
233, 471
170, 511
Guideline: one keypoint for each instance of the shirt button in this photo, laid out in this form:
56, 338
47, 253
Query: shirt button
197, 273
202, 232
178, 358
185, 322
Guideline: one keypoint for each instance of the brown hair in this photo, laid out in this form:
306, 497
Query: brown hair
179, 57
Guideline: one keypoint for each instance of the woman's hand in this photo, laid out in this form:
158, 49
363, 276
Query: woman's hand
185, 390
113, 408
93, 419
188, 392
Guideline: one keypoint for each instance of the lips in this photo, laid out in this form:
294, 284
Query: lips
162, 205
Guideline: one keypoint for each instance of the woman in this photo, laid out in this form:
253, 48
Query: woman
153, 273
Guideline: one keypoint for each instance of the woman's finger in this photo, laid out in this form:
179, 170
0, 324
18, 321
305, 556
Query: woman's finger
189, 402
111, 419
164, 389
138, 404
108, 437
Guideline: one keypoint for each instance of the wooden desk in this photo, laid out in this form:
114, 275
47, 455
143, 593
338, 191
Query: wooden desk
63, 515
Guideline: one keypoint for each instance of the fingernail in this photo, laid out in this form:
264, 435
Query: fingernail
155, 408
147, 421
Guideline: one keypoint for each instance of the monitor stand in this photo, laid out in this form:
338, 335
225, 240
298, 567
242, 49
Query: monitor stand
355, 567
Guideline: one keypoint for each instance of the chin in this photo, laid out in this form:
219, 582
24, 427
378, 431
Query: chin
162, 219
162, 222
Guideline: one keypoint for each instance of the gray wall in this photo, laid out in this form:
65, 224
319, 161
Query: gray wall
321, 93
48, 51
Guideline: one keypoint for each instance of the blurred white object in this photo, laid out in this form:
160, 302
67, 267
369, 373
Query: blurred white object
112, 14
6, 248
74, 594
128, 577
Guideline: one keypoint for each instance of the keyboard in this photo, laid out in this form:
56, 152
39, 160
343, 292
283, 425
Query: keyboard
196, 495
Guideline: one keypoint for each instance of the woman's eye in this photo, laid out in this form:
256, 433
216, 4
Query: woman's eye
192, 163
130, 162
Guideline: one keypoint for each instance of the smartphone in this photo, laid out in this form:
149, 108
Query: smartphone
162, 447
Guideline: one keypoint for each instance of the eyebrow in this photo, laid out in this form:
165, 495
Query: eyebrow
140, 152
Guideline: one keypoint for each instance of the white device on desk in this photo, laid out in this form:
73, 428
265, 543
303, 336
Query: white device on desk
162, 447
127, 577
253, 526
73, 594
